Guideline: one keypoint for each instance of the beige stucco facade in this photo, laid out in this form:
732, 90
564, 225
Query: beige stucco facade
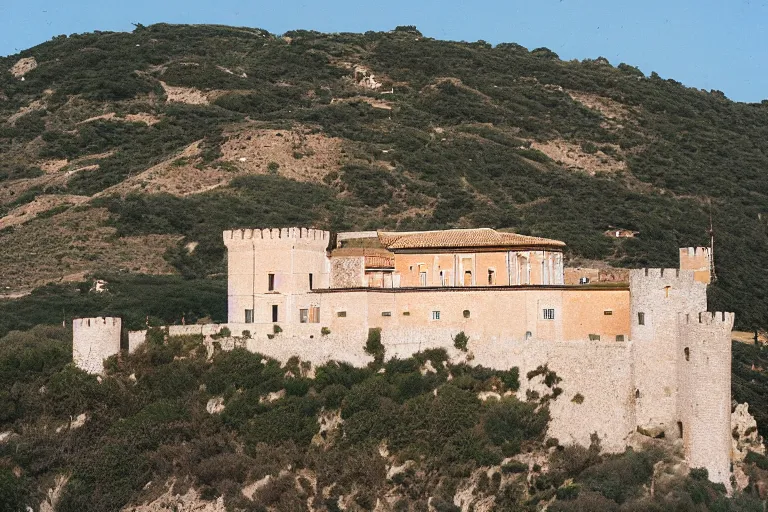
643, 355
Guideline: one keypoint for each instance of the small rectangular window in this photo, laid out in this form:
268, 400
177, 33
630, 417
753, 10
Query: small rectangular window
422, 279
608, 312
270, 282
435, 315
641, 318
341, 314
386, 313
274, 313
549, 314
303, 316
406, 313
491, 276
594, 337
311, 287
249, 316
619, 337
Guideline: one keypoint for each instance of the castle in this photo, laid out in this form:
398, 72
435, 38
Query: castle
643, 355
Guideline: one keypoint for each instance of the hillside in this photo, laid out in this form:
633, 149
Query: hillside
126, 154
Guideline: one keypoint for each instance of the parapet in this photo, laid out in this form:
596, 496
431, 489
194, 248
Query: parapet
720, 320
315, 238
671, 275
97, 322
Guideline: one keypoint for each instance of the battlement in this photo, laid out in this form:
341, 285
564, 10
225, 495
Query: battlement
698, 259
694, 252
97, 322
269, 236
670, 275
719, 319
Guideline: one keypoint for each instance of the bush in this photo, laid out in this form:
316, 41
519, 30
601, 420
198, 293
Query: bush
460, 341
373, 345
510, 420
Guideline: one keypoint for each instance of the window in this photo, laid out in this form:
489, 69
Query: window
303, 316
594, 337
687, 353
310, 282
422, 278
641, 319
549, 314
466, 313
528, 335
680, 429
491, 276
274, 312
637, 393
435, 315
249, 316
619, 337
608, 312
406, 313
468, 278
386, 313
341, 314
270, 282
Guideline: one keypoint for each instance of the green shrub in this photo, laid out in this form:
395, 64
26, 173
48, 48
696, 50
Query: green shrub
13, 495
325, 331
373, 345
510, 420
460, 341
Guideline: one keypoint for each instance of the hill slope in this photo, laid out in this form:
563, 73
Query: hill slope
131, 152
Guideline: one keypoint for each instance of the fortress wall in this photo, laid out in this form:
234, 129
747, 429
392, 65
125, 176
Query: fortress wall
659, 294
704, 382
94, 340
347, 271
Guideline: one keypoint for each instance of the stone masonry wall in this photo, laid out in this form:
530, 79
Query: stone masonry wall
658, 295
347, 271
704, 391
94, 340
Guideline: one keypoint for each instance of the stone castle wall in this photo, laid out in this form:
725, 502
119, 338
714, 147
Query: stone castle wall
94, 340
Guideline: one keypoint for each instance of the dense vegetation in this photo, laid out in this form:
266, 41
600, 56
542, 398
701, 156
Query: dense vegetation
455, 148
400, 432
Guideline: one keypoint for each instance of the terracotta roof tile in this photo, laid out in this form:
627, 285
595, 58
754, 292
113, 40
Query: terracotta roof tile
461, 238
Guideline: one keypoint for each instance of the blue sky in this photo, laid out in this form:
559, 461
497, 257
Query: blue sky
705, 43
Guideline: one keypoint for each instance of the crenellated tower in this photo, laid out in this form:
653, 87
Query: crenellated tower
94, 340
272, 271
698, 259
704, 391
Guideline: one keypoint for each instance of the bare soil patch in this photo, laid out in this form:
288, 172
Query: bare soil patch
298, 153
178, 176
77, 240
44, 203
375, 103
32, 107
141, 117
184, 95
609, 108
573, 157
23, 66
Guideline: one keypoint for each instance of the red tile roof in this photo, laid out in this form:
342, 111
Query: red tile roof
462, 238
